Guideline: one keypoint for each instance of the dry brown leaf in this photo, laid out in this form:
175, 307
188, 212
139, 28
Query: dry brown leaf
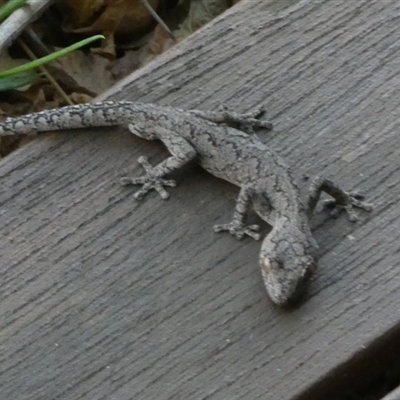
80, 98
107, 48
122, 17
81, 12
160, 42
200, 13
89, 71
125, 65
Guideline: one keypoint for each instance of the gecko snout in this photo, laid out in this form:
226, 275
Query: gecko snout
285, 280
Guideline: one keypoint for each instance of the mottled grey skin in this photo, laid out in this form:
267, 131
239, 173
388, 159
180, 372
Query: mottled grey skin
221, 144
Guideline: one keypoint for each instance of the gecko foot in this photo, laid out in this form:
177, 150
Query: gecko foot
248, 121
342, 200
350, 201
252, 118
151, 180
238, 229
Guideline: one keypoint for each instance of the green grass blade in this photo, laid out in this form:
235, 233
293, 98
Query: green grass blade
9, 7
49, 58
16, 81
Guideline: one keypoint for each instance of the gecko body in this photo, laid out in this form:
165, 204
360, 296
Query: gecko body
221, 142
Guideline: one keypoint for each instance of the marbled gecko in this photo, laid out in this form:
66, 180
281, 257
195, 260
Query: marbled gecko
221, 142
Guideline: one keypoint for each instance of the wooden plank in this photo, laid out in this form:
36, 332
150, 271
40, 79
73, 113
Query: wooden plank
106, 298
393, 395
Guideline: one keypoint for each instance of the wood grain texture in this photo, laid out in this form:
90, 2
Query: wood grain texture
103, 297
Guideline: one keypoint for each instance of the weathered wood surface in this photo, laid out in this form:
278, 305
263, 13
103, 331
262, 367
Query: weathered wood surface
103, 297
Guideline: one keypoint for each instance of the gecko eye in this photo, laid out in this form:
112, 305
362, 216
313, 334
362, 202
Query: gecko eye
309, 267
306, 273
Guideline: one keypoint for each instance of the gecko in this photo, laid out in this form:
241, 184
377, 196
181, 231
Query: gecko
221, 142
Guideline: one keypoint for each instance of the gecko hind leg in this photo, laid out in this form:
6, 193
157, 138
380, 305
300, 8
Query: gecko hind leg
182, 152
246, 121
237, 226
342, 200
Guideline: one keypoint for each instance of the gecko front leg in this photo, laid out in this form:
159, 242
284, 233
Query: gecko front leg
237, 226
182, 153
342, 200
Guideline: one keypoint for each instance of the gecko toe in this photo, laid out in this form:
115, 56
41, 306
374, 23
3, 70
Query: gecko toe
252, 234
139, 195
126, 181
239, 230
161, 191
351, 213
355, 201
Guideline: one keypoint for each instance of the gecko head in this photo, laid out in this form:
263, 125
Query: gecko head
285, 270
